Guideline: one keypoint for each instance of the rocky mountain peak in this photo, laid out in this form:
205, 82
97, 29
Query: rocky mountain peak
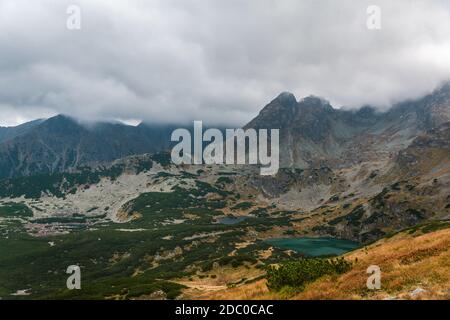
279, 111
442, 94
313, 132
445, 87
315, 104
286, 99
60, 121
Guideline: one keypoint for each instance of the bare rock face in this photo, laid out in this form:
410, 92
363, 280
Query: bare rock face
426, 151
415, 189
288, 179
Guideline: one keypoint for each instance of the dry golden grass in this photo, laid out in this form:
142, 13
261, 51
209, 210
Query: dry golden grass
407, 262
253, 291
203, 285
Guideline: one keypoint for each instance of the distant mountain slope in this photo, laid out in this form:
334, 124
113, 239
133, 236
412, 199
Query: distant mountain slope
61, 143
7, 133
428, 154
313, 133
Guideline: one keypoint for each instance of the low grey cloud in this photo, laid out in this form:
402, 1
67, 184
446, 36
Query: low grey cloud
214, 60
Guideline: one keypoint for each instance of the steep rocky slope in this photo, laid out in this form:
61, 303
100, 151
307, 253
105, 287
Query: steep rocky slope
61, 143
313, 133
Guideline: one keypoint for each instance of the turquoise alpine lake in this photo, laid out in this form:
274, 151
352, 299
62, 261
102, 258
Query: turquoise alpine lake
314, 247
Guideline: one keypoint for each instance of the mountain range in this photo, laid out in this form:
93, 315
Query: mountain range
312, 133
62, 143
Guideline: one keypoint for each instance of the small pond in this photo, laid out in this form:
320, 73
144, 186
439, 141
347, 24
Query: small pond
314, 247
231, 220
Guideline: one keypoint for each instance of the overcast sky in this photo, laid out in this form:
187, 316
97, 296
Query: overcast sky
219, 61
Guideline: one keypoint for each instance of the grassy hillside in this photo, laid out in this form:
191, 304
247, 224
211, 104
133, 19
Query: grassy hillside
417, 259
